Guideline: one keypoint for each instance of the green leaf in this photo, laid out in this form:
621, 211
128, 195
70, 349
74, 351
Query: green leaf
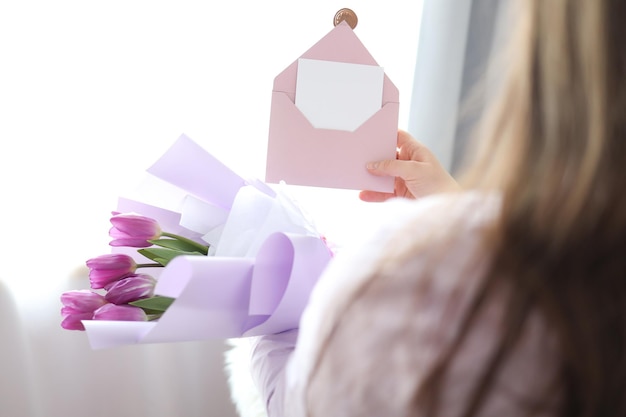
192, 243
177, 245
152, 316
150, 312
164, 255
153, 305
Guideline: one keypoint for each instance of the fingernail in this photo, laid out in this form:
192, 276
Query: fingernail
372, 165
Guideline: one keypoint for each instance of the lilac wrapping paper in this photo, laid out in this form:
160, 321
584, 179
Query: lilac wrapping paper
188, 166
266, 257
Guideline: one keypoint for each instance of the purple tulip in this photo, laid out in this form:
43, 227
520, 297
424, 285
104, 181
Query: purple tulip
120, 313
75, 321
131, 288
78, 306
107, 269
133, 230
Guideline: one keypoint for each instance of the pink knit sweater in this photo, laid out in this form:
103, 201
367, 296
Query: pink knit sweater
383, 312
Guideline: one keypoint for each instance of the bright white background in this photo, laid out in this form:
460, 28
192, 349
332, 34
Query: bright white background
93, 92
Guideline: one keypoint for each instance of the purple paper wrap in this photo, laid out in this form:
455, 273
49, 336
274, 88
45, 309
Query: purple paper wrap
266, 259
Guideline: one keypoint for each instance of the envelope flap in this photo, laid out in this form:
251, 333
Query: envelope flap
341, 45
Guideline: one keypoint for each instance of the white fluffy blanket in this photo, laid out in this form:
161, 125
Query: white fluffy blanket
243, 392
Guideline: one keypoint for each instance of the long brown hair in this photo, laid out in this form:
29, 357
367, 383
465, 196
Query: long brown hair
554, 145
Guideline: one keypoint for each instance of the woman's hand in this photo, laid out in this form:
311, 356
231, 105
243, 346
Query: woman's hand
417, 171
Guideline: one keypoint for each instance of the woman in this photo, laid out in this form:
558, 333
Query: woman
509, 300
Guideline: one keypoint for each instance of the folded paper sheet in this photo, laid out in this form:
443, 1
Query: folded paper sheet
266, 257
336, 95
300, 153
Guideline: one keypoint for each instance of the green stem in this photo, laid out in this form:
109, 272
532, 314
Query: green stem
151, 265
201, 248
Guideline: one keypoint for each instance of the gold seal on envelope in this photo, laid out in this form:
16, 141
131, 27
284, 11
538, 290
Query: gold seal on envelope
346, 15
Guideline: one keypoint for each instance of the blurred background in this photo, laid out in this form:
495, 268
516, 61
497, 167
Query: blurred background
93, 92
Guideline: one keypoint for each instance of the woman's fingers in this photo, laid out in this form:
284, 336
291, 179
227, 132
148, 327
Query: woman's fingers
417, 172
404, 138
412, 149
406, 170
374, 196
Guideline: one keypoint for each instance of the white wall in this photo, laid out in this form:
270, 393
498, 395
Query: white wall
91, 93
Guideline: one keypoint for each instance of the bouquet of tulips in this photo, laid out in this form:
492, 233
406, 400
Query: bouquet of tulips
129, 295
239, 258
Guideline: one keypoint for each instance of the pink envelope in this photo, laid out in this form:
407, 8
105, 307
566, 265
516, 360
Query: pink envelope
301, 154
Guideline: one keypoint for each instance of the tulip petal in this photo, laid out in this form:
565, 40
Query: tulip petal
74, 321
137, 226
131, 288
81, 301
120, 313
105, 269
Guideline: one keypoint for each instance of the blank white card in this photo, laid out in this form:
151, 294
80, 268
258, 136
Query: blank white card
337, 95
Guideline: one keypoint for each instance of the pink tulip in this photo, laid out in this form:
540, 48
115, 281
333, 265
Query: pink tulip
131, 288
74, 321
120, 313
107, 269
133, 230
77, 306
